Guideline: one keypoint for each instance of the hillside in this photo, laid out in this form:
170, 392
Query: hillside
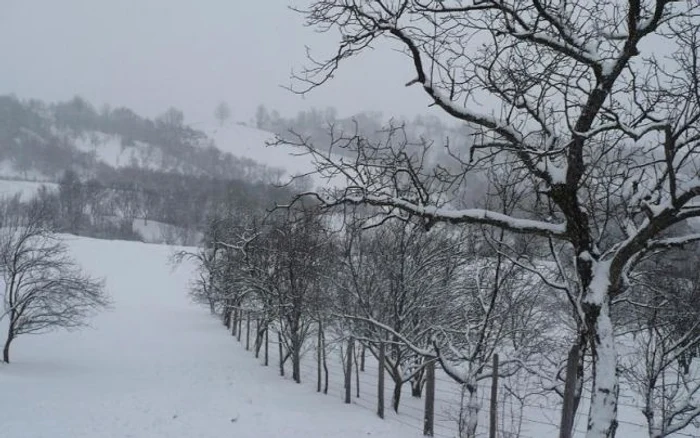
157, 366
41, 140
115, 168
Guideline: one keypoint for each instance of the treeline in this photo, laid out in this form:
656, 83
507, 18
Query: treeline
108, 208
41, 137
455, 296
178, 177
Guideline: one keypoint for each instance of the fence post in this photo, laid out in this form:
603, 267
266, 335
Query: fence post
380, 382
247, 333
234, 322
318, 358
267, 351
325, 362
258, 337
429, 415
279, 343
567, 414
493, 413
362, 359
357, 375
348, 371
240, 324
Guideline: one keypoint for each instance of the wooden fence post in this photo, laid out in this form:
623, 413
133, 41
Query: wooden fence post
567, 414
267, 351
319, 345
240, 324
380, 382
429, 415
348, 371
234, 323
247, 333
357, 375
493, 413
279, 343
258, 337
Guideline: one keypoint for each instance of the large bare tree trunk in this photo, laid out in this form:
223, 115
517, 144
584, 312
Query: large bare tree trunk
468, 412
602, 417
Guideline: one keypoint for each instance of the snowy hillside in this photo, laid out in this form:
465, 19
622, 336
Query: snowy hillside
246, 142
158, 366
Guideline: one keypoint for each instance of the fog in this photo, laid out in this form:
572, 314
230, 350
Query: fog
152, 54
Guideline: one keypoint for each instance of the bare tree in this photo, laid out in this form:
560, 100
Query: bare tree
604, 127
44, 289
394, 275
222, 112
661, 337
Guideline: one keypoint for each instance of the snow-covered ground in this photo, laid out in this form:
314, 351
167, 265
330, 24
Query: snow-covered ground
158, 366
244, 141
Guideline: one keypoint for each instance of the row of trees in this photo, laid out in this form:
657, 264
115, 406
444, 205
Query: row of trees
456, 296
108, 207
589, 142
577, 101
428, 296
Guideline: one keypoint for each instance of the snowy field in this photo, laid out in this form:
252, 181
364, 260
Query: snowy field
158, 366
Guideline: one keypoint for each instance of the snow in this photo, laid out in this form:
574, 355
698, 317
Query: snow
607, 67
158, 366
477, 215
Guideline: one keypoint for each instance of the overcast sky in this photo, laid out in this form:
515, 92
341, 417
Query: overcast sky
191, 54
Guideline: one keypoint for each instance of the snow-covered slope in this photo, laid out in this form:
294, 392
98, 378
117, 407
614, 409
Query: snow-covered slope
247, 142
158, 366
244, 141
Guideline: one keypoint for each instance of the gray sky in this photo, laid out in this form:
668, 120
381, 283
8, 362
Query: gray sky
152, 54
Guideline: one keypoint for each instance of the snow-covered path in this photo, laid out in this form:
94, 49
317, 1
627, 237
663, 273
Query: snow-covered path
157, 366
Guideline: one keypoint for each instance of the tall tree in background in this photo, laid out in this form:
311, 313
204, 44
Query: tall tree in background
599, 124
222, 112
72, 200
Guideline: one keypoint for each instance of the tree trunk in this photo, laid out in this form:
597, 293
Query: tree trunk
6, 349
471, 414
602, 416
296, 359
227, 318
396, 398
362, 358
417, 384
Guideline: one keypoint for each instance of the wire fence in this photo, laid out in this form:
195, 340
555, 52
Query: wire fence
517, 417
